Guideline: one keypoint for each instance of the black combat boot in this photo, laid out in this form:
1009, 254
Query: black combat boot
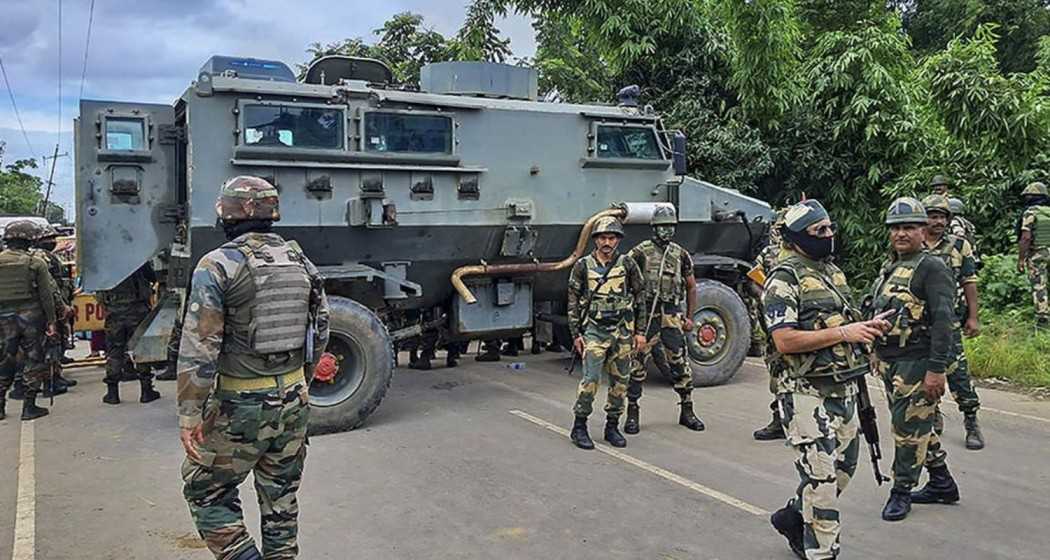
452, 359
974, 437
490, 353
112, 394
612, 432
420, 361
537, 347
788, 522
688, 419
772, 431
511, 348
579, 435
148, 394
631, 425
3, 407
898, 506
169, 373
18, 392
30, 411
250, 553
940, 489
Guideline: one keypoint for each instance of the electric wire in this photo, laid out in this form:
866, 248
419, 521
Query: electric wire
87, 47
18, 116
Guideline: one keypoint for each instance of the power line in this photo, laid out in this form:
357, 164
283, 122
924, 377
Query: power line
60, 70
87, 47
11, 93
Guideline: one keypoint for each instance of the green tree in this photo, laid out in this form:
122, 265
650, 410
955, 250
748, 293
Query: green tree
479, 39
20, 192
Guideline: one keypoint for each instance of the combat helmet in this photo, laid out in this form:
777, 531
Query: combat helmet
26, 230
1035, 189
664, 216
937, 202
939, 181
906, 210
957, 206
608, 224
247, 198
47, 232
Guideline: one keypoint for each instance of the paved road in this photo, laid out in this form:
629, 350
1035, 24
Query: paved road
467, 464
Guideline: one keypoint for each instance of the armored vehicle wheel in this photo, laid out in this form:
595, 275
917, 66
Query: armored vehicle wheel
365, 354
722, 335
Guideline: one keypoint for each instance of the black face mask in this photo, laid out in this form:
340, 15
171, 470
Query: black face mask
47, 245
816, 247
1039, 200
237, 229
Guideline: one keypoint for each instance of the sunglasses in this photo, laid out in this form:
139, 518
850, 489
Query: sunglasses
826, 230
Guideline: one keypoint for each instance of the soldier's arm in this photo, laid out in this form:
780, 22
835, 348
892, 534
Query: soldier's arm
968, 273
637, 286
202, 332
1024, 242
45, 289
933, 280
781, 303
690, 285
575, 291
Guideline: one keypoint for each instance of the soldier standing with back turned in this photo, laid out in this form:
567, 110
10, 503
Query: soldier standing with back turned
957, 253
606, 319
27, 316
45, 249
669, 279
1033, 248
816, 346
243, 398
913, 356
127, 305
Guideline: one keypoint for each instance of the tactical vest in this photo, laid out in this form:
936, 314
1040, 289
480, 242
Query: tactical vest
667, 284
893, 291
275, 320
610, 300
17, 284
822, 304
1041, 231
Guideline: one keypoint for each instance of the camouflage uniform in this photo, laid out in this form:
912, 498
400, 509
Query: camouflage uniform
127, 305
921, 289
766, 262
815, 392
1034, 220
615, 313
241, 381
27, 307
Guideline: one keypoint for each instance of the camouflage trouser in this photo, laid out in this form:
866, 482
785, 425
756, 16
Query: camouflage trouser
121, 322
754, 313
259, 432
823, 432
1038, 275
606, 350
959, 382
22, 333
669, 353
912, 415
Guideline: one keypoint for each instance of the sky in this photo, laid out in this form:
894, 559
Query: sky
150, 50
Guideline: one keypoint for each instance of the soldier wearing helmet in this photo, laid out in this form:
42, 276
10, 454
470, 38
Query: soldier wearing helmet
913, 357
669, 282
44, 248
607, 322
127, 304
243, 374
28, 313
816, 349
962, 227
940, 185
957, 253
1033, 248
766, 262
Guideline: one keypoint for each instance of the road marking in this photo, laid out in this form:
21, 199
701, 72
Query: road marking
652, 469
25, 516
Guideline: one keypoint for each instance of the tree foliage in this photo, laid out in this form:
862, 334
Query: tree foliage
20, 192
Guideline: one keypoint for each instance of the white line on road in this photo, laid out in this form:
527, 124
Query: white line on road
648, 467
25, 516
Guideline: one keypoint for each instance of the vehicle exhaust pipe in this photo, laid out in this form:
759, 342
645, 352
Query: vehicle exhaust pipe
629, 212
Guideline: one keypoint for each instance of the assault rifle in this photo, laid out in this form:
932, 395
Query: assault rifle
870, 428
54, 346
316, 289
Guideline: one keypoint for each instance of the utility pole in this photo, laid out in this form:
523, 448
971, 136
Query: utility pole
50, 180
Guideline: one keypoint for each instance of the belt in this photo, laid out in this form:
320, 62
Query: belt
237, 384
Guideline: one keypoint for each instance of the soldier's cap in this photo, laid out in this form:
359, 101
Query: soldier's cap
608, 224
957, 205
936, 203
664, 215
939, 180
804, 214
906, 210
1035, 189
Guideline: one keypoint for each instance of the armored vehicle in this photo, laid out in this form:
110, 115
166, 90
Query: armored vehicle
450, 209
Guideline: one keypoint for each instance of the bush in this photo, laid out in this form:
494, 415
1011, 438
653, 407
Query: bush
1009, 348
1002, 288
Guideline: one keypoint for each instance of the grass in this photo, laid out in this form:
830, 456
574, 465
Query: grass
1009, 348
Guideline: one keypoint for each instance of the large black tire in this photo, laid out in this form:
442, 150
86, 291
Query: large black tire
365, 352
722, 335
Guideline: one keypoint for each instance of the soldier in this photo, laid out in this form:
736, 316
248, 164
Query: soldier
1033, 248
940, 185
27, 315
766, 262
243, 400
961, 227
913, 357
957, 253
818, 350
44, 249
606, 319
127, 305
668, 271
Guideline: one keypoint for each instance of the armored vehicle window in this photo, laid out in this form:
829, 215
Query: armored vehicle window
291, 126
125, 134
399, 132
632, 142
